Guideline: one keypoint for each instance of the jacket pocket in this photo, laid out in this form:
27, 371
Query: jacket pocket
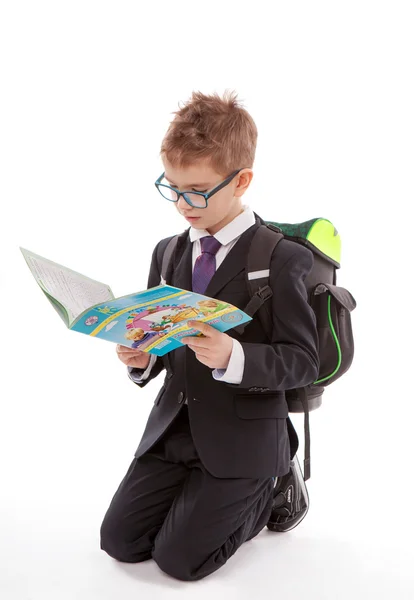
261, 406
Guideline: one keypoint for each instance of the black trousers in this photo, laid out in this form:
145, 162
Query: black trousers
169, 508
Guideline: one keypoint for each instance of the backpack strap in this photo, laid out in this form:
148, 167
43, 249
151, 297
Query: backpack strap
166, 259
260, 254
303, 396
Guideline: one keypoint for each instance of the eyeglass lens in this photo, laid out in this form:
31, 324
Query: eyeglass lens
195, 199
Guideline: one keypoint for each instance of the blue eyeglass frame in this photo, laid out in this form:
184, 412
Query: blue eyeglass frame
206, 195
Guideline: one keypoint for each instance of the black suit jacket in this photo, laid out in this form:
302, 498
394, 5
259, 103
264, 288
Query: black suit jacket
241, 430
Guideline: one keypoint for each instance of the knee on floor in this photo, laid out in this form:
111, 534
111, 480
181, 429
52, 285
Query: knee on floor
174, 566
115, 542
178, 562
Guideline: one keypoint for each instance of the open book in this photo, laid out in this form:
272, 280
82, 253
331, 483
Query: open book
153, 320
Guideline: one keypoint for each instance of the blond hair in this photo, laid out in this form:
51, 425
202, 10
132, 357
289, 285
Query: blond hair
211, 128
132, 332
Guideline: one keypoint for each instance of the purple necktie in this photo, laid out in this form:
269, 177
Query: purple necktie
205, 265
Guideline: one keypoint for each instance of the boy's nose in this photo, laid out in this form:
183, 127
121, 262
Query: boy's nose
182, 205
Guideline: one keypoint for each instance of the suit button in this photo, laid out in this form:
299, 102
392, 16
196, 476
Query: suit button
180, 397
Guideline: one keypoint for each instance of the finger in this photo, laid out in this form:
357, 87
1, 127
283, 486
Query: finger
200, 349
130, 362
200, 353
204, 360
205, 329
197, 342
125, 350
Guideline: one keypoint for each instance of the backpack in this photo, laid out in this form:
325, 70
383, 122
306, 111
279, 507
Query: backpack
331, 304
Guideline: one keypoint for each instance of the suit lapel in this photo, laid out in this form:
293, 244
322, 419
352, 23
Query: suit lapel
233, 263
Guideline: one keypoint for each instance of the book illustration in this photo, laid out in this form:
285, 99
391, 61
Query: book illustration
146, 325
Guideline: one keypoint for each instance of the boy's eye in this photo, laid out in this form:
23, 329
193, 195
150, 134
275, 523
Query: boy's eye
201, 191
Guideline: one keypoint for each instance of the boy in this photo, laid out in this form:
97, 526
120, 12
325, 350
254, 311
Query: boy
202, 479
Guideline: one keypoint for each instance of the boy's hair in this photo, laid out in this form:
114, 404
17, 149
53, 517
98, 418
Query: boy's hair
211, 128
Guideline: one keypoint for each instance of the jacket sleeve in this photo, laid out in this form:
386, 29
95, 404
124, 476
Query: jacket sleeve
154, 279
291, 360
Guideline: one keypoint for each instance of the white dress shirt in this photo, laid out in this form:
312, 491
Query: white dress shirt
227, 236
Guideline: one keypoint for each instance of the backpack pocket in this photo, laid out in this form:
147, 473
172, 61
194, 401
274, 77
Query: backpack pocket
333, 306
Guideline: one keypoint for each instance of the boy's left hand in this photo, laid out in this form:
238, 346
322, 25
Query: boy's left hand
213, 349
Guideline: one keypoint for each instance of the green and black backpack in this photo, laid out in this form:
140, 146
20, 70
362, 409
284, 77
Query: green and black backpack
332, 304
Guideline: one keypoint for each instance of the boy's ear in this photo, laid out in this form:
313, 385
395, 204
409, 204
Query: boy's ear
243, 181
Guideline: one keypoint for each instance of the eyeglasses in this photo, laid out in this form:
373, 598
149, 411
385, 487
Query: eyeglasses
196, 199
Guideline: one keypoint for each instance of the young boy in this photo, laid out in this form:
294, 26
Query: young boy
202, 479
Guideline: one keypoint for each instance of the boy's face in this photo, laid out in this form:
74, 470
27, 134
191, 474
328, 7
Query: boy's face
138, 334
222, 207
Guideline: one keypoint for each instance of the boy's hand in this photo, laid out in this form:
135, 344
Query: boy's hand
213, 349
131, 357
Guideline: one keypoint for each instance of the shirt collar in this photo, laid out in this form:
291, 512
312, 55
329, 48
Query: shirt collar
231, 231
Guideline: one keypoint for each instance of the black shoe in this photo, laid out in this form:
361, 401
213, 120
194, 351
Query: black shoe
290, 499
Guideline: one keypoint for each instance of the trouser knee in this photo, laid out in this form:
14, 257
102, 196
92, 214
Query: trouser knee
115, 542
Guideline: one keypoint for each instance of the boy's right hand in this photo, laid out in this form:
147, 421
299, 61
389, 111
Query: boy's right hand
131, 357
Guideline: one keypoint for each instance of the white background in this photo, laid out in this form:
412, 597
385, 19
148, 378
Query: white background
87, 92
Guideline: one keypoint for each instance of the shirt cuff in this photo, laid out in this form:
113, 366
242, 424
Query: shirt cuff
235, 368
137, 375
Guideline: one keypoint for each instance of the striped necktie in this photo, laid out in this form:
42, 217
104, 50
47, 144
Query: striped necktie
205, 265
